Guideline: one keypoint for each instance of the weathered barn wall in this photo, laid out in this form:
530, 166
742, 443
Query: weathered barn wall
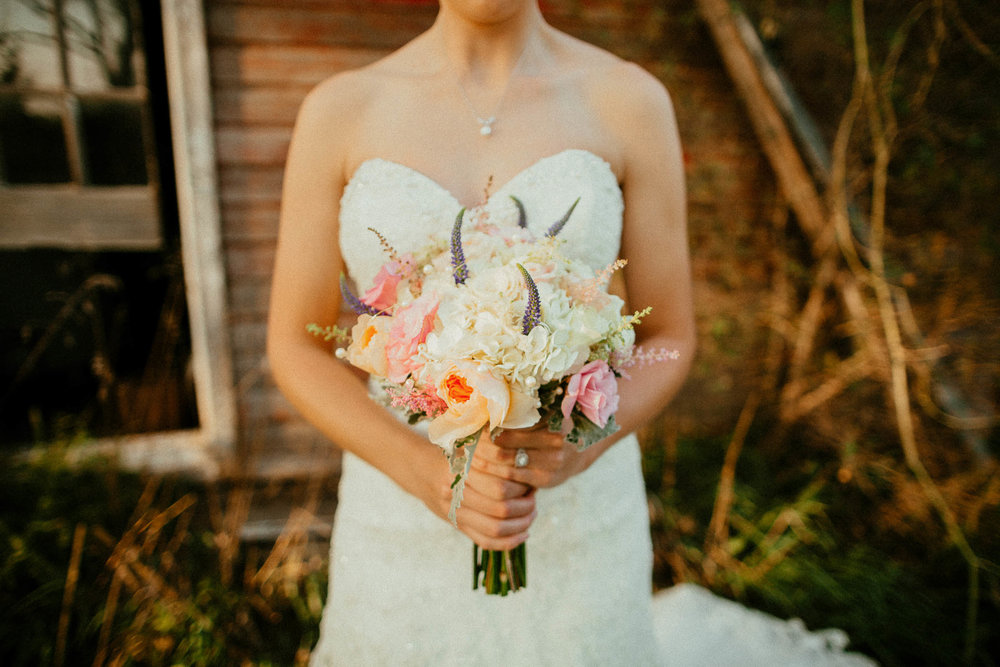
266, 55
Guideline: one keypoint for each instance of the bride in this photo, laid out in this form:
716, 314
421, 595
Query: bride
491, 101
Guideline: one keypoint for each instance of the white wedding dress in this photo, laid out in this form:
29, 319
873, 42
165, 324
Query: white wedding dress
400, 577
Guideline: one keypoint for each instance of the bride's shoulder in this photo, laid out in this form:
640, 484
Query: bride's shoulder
628, 98
348, 93
627, 86
631, 104
333, 102
609, 79
344, 90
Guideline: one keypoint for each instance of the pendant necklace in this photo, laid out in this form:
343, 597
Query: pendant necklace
486, 124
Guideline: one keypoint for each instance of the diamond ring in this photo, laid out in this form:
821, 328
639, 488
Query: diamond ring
521, 458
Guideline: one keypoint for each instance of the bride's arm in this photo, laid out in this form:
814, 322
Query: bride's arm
496, 513
655, 243
638, 112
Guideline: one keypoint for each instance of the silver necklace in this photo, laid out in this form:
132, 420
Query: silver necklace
486, 124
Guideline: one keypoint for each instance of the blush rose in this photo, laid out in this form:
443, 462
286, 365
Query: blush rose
595, 390
382, 295
409, 329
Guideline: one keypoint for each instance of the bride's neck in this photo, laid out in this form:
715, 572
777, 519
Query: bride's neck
486, 49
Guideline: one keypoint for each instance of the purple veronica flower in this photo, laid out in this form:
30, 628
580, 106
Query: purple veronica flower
356, 304
533, 311
561, 222
459, 270
522, 218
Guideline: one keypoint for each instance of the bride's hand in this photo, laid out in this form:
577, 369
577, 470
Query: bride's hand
496, 512
548, 459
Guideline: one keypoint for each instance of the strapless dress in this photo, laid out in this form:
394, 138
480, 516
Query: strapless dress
401, 578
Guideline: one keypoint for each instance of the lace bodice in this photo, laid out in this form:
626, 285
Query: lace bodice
407, 207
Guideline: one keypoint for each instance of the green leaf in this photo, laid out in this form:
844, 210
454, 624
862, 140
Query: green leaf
585, 432
460, 464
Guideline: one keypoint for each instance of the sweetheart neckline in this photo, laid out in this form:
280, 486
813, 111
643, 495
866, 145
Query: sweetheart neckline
444, 190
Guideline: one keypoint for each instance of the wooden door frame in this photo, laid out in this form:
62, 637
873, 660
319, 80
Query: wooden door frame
192, 128
206, 450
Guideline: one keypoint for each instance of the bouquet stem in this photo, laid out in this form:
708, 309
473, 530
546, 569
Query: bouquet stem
499, 572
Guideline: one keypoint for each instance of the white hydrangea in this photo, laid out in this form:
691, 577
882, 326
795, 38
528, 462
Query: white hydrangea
482, 319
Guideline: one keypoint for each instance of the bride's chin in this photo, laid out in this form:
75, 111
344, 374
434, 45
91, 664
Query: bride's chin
487, 11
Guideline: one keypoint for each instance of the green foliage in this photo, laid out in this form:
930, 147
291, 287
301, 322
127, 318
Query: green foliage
40, 509
840, 513
945, 169
152, 579
800, 543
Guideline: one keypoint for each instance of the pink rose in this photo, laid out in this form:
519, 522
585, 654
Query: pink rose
595, 390
409, 329
382, 295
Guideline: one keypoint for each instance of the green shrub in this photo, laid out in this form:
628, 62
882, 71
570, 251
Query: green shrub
154, 584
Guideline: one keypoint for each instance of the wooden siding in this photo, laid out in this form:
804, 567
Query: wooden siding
266, 55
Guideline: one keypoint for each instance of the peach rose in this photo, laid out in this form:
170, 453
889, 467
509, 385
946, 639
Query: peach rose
476, 398
368, 340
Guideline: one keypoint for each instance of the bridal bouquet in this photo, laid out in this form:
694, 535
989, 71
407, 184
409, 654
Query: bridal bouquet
492, 329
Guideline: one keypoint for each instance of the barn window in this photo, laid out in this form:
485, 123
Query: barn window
111, 314
78, 156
